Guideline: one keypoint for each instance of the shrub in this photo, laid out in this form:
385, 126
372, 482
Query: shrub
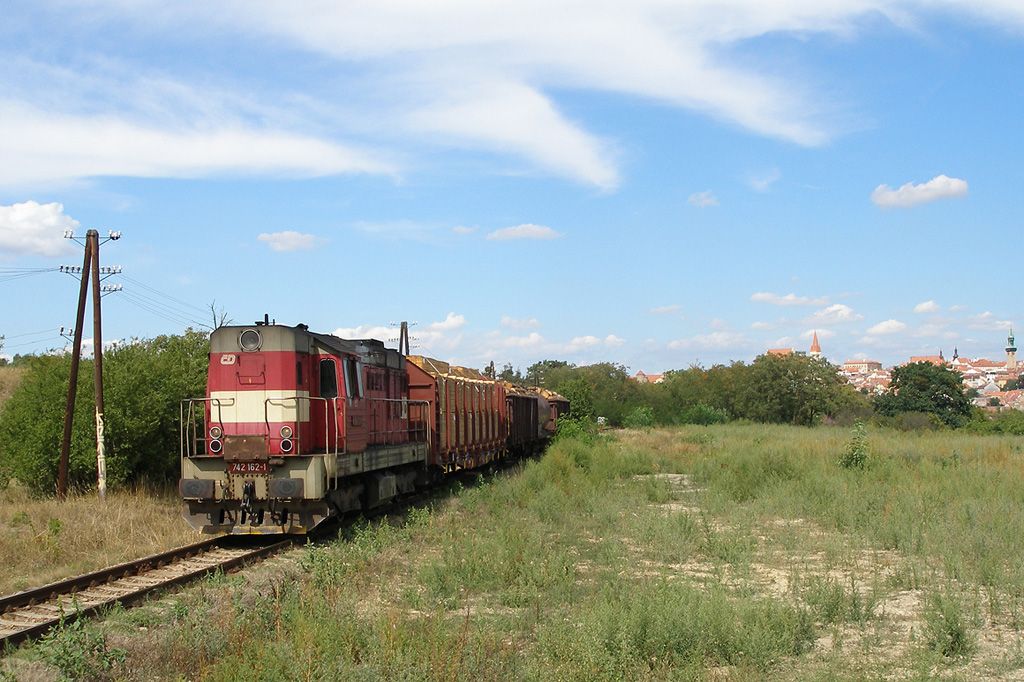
856, 454
703, 414
576, 428
79, 652
144, 382
642, 417
949, 629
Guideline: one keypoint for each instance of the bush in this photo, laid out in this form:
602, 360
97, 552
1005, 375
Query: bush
79, 652
856, 454
1009, 421
703, 414
144, 382
949, 629
642, 417
576, 428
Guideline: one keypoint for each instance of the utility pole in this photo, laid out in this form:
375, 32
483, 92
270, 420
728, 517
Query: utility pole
97, 363
76, 354
90, 266
403, 338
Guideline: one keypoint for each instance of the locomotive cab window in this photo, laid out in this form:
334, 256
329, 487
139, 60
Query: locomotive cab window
328, 379
353, 382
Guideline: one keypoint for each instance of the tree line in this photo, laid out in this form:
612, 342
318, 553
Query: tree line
145, 381
790, 389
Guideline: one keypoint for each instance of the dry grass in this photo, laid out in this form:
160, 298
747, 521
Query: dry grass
10, 377
42, 540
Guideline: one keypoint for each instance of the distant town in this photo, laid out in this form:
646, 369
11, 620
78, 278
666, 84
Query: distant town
992, 384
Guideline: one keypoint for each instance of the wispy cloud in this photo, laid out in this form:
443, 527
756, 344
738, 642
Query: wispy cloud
665, 309
926, 307
720, 340
703, 199
524, 231
987, 320
787, 300
519, 323
834, 314
887, 327
463, 229
290, 240
34, 228
909, 194
762, 182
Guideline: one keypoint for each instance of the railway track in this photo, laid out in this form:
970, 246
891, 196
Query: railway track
33, 612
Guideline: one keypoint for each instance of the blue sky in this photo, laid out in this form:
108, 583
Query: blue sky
651, 183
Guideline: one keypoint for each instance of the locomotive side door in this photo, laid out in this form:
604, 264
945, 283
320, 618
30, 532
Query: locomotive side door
354, 408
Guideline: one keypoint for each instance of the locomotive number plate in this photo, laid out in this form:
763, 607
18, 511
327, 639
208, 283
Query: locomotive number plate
248, 468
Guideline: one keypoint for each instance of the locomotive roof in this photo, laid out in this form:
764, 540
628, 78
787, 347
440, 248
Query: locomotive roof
277, 337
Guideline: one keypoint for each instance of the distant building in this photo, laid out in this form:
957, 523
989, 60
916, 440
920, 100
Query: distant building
938, 360
861, 366
815, 346
781, 352
1011, 352
644, 378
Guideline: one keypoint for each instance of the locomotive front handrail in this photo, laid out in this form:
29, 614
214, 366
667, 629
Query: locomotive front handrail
328, 402
189, 422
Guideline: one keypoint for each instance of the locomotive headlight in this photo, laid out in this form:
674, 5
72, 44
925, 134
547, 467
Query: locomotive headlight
286, 431
286, 445
216, 432
250, 340
215, 447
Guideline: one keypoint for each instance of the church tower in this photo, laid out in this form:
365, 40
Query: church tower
1011, 352
815, 346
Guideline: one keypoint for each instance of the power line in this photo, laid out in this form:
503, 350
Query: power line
164, 295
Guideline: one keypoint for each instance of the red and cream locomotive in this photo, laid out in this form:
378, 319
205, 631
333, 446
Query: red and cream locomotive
296, 427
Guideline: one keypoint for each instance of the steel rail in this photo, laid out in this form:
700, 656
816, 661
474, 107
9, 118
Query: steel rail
34, 612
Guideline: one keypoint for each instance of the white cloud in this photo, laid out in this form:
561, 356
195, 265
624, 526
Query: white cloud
462, 229
519, 323
762, 325
475, 75
440, 336
531, 340
926, 307
62, 148
720, 340
834, 314
290, 240
764, 181
524, 231
34, 228
787, 300
939, 187
509, 116
822, 334
613, 341
988, 321
703, 199
718, 324
581, 342
665, 309
450, 322
887, 327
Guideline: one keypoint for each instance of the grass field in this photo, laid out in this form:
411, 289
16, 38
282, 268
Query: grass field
729, 552
43, 540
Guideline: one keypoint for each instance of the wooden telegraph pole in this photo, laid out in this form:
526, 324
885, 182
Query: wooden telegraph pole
90, 270
97, 363
76, 355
